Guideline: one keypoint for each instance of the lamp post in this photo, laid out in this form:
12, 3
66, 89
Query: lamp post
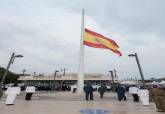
138, 63
113, 82
55, 73
115, 73
64, 69
11, 61
64, 73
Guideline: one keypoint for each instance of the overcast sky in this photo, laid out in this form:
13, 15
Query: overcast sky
47, 33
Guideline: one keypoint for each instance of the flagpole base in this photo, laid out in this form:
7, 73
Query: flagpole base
80, 83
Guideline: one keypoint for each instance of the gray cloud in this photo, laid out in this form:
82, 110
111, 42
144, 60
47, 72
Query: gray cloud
47, 33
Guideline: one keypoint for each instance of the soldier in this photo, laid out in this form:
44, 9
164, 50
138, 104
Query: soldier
11, 94
134, 91
120, 90
74, 88
158, 96
102, 89
1, 92
88, 91
143, 94
150, 96
29, 92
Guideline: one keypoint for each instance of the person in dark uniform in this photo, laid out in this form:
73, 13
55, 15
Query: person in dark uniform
1, 91
102, 89
120, 90
158, 96
150, 96
125, 98
88, 89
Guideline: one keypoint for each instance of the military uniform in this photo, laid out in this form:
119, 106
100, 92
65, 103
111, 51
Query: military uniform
158, 96
134, 91
150, 96
144, 96
120, 90
88, 91
1, 92
102, 90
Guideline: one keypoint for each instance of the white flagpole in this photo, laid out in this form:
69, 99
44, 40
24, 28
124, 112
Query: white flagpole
81, 63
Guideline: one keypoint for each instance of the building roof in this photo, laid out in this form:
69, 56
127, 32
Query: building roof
67, 77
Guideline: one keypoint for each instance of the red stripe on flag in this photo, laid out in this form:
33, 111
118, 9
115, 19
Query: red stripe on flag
100, 46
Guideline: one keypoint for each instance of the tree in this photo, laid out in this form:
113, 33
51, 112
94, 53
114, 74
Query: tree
10, 78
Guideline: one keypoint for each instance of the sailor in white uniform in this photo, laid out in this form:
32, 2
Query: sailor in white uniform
29, 92
144, 96
134, 91
74, 88
11, 94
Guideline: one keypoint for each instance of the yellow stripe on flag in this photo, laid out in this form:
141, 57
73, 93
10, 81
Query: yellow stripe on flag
95, 39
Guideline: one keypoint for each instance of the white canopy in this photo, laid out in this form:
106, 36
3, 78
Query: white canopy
129, 82
153, 83
162, 82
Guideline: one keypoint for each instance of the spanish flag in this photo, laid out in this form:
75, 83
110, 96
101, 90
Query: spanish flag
97, 40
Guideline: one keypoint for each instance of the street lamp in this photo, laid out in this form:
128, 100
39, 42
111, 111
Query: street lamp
64, 69
11, 61
115, 73
138, 63
55, 73
18, 56
113, 82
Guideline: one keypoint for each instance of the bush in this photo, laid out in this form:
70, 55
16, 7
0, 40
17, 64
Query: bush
10, 78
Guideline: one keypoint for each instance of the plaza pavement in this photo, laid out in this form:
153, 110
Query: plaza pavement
72, 103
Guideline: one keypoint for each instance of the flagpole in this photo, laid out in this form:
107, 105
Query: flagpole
81, 60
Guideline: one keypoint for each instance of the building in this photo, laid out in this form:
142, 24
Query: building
68, 80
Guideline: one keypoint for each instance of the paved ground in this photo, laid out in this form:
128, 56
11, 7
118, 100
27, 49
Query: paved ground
72, 103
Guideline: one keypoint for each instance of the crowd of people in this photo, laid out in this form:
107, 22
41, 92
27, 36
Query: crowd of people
142, 94
152, 93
